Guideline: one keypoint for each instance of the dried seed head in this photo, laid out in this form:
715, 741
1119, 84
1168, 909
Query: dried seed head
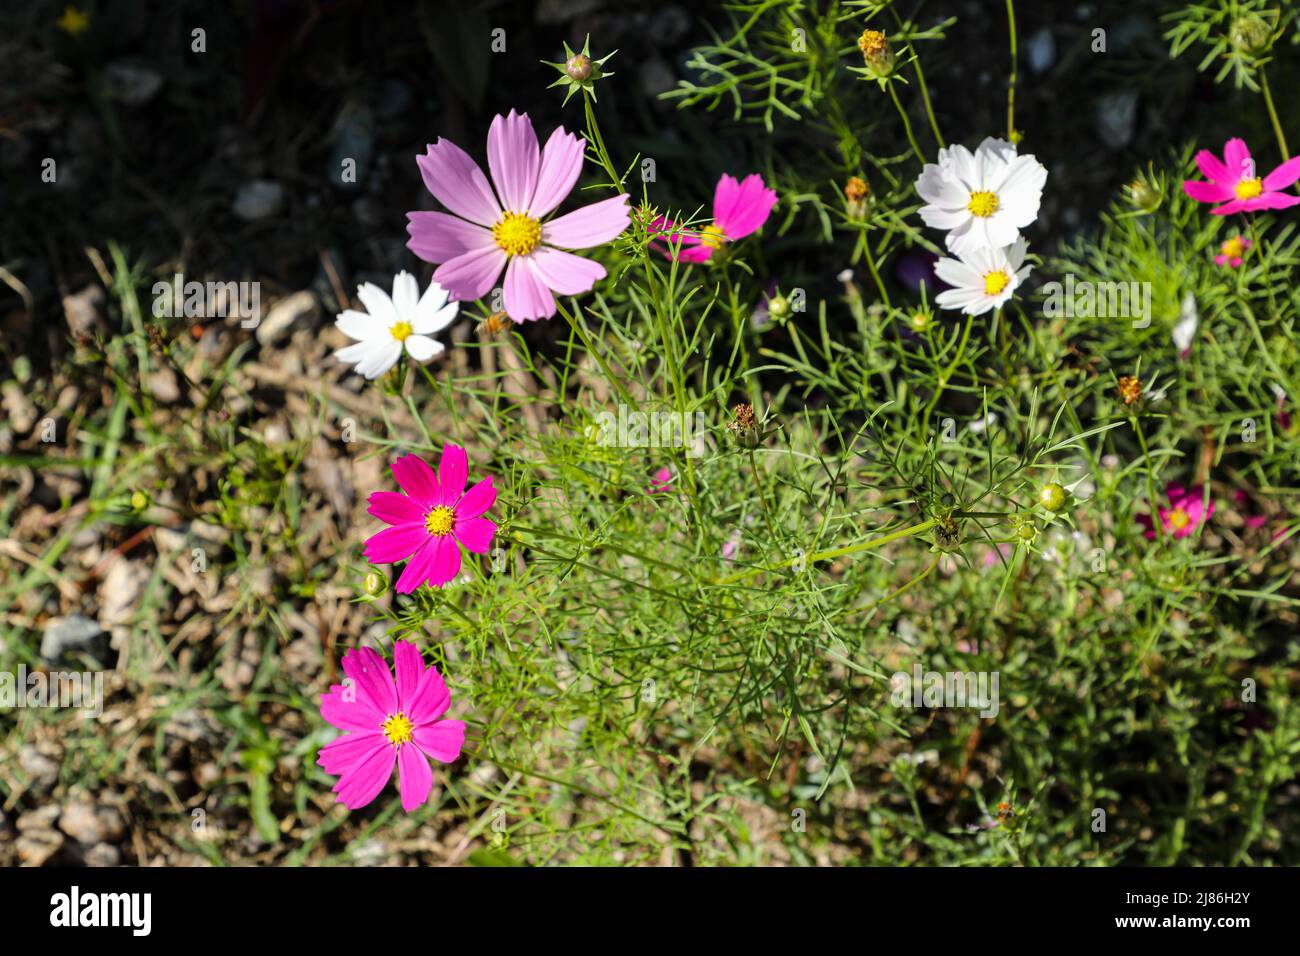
1130, 389
856, 189
743, 426
877, 52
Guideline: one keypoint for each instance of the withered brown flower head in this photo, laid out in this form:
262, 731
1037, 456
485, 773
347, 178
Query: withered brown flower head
495, 324
856, 189
1130, 389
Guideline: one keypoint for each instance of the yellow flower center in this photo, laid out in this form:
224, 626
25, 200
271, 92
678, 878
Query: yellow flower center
398, 729
1249, 188
517, 233
1179, 519
713, 237
1233, 248
995, 281
440, 520
400, 330
983, 204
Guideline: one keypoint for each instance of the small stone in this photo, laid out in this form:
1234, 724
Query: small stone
36, 849
39, 767
259, 199
1116, 118
74, 634
21, 411
80, 821
162, 385
103, 854
301, 307
82, 311
131, 84
1041, 50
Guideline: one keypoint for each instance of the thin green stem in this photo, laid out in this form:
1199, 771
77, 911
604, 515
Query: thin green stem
907, 125
1011, 87
907, 532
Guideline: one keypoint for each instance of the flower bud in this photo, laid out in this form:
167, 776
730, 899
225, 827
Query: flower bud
375, 584
857, 197
139, 501
778, 307
1251, 34
1051, 496
1143, 196
578, 67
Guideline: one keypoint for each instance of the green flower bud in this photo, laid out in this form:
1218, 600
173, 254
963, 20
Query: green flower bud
1051, 496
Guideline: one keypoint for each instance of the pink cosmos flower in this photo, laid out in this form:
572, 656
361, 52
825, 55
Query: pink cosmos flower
507, 229
739, 209
388, 723
1184, 515
1234, 183
1232, 251
662, 479
431, 520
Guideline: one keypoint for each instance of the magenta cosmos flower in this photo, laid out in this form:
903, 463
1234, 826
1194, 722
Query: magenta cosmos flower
1184, 515
1232, 251
1234, 183
431, 520
739, 209
507, 229
388, 723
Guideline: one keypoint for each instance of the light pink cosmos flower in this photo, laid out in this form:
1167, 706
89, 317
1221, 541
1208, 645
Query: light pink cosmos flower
431, 520
388, 723
739, 209
1232, 251
1183, 516
1234, 182
507, 229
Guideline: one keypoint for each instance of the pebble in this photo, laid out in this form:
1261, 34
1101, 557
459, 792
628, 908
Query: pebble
74, 634
259, 199
300, 307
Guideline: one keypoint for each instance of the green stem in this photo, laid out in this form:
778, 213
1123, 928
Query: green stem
909, 531
920, 79
907, 125
1011, 88
1272, 114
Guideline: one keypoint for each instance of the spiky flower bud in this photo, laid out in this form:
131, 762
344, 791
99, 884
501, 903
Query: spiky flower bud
578, 67
1051, 496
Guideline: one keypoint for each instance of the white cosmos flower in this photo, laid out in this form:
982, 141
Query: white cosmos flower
406, 320
983, 279
981, 200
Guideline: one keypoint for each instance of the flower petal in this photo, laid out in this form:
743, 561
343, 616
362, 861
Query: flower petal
393, 508
453, 470
417, 571
396, 543
456, 181
445, 563
377, 303
589, 226
1284, 175
363, 782
374, 681
408, 662
475, 533
431, 699
437, 237
441, 741
406, 295
561, 165
1212, 168
414, 777
470, 276
565, 273
1236, 156
343, 753
477, 500
1207, 192
360, 325
751, 203
513, 159
417, 479
422, 348
344, 708
526, 296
